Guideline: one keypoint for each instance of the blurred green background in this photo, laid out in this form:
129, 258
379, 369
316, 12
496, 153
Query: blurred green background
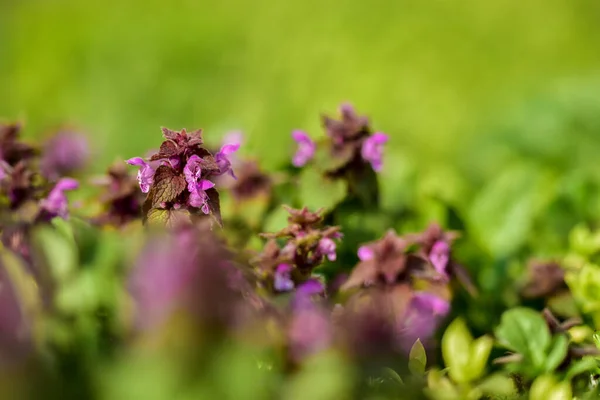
427, 72
492, 107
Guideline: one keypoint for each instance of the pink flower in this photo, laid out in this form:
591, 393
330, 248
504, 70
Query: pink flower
306, 148
145, 175
372, 150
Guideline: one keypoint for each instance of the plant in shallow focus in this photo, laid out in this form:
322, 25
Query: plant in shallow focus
179, 178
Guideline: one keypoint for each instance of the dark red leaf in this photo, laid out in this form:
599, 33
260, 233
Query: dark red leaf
215, 205
169, 134
167, 185
167, 149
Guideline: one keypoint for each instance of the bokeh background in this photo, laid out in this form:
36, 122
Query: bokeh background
492, 106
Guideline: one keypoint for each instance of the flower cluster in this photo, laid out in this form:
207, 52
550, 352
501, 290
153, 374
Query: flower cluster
351, 143
306, 246
121, 199
389, 274
182, 184
32, 186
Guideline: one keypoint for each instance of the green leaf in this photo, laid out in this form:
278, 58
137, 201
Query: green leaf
498, 385
59, 253
316, 191
503, 214
546, 387
480, 352
393, 376
167, 185
456, 350
417, 359
168, 218
558, 352
586, 364
524, 330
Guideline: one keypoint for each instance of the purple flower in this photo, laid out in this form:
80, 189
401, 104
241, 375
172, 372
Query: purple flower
283, 281
422, 317
311, 287
233, 137
306, 148
439, 256
306, 292
196, 185
145, 175
310, 331
222, 158
327, 248
64, 153
372, 150
365, 253
56, 202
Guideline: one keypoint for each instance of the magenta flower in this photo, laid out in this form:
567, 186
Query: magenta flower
365, 253
145, 175
222, 158
310, 332
64, 153
422, 318
311, 287
439, 257
327, 248
283, 281
56, 202
372, 150
306, 148
197, 186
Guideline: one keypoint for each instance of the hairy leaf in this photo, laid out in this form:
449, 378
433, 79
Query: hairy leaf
167, 185
169, 134
168, 218
167, 149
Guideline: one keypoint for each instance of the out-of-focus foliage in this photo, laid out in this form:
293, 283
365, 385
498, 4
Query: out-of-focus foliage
467, 268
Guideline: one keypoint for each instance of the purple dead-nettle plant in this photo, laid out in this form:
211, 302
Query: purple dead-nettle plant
181, 272
63, 154
12, 149
306, 148
352, 145
56, 203
182, 185
386, 275
121, 199
305, 244
435, 245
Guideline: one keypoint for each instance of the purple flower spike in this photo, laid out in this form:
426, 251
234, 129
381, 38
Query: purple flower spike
56, 202
311, 287
422, 318
327, 248
439, 256
145, 175
196, 185
283, 281
429, 302
64, 153
306, 148
372, 150
222, 158
365, 253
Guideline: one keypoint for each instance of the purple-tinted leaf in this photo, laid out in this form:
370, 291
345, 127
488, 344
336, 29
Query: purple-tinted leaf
167, 185
169, 134
214, 205
167, 149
